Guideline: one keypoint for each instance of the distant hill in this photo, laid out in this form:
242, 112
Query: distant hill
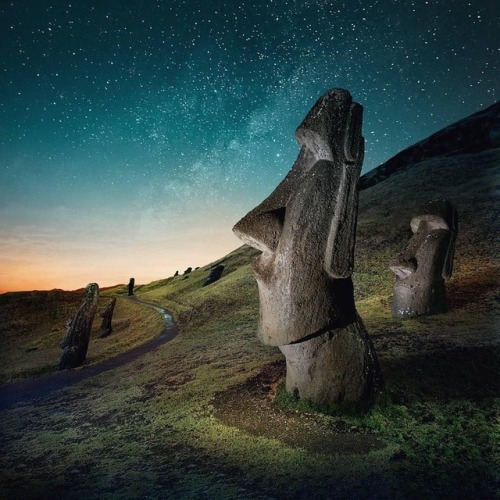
474, 134
460, 163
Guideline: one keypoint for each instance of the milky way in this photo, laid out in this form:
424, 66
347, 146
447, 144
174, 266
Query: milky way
145, 129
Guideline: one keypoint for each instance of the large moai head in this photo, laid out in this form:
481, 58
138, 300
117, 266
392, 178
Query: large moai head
306, 228
425, 262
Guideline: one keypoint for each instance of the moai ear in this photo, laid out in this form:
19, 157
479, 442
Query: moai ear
339, 258
441, 214
450, 253
353, 141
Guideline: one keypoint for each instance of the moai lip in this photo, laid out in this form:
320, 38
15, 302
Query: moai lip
425, 262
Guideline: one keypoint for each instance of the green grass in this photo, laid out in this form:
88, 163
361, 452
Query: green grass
155, 417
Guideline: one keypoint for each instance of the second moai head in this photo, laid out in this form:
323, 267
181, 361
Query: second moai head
306, 228
425, 262
130, 287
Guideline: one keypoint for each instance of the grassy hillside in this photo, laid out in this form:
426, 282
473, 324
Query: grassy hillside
204, 416
32, 325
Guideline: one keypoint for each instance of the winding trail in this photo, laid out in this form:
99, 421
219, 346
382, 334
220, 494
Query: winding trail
40, 387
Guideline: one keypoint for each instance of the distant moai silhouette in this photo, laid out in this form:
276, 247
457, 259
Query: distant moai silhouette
306, 232
188, 270
131, 285
215, 274
107, 318
76, 341
176, 274
425, 262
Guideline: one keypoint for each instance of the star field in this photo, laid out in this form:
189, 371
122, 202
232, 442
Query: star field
146, 129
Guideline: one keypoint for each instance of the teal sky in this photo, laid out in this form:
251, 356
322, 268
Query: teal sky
133, 135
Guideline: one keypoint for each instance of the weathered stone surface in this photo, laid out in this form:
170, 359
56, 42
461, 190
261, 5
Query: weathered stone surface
76, 342
107, 318
425, 262
336, 366
215, 274
131, 284
306, 232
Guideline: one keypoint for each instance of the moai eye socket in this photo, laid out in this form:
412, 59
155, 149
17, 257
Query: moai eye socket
353, 141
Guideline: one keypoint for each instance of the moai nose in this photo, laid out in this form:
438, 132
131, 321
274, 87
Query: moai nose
403, 267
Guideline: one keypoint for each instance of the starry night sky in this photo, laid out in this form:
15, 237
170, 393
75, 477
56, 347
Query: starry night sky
133, 135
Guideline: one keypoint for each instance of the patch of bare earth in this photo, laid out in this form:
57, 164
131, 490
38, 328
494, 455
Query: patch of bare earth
250, 406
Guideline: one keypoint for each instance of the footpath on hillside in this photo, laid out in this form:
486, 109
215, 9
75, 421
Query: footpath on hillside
40, 387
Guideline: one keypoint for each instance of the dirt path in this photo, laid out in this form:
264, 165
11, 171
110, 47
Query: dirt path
40, 387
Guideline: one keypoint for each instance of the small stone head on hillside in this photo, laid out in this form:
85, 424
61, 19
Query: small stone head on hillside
425, 262
130, 288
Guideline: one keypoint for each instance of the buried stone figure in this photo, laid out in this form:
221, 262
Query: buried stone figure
425, 262
306, 232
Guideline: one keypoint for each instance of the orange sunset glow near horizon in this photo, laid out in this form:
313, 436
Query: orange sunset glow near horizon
68, 266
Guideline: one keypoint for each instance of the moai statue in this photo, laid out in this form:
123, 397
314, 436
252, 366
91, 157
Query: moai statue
306, 232
107, 317
425, 262
215, 274
76, 342
131, 284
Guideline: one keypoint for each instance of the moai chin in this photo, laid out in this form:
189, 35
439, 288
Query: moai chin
425, 262
306, 232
